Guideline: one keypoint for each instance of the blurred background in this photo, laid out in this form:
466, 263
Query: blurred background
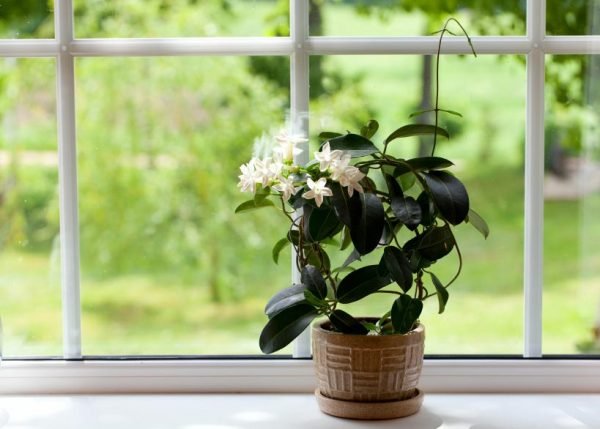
167, 268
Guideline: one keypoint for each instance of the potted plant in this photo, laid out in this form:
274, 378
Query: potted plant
357, 199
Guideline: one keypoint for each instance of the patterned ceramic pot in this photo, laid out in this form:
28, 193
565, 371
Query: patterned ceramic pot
367, 368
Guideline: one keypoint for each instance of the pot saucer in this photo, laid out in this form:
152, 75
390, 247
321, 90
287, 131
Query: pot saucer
369, 410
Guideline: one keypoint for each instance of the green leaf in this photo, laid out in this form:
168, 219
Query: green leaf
433, 244
478, 222
314, 300
346, 238
342, 270
449, 195
284, 327
252, 205
442, 292
396, 264
406, 180
370, 129
405, 312
352, 257
418, 261
313, 279
284, 298
360, 283
279, 246
346, 324
370, 326
313, 258
320, 223
407, 210
261, 194
354, 144
416, 130
326, 135
367, 221
420, 112
452, 112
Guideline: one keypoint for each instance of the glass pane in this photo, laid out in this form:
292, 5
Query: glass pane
30, 250
572, 17
484, 312
167, 267
572, 195
180, 18
26, 19
414, 18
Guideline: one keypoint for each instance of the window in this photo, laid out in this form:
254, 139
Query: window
113, 218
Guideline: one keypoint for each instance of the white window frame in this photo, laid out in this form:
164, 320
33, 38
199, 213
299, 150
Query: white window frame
74, 375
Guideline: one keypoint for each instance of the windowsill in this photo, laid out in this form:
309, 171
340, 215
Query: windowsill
235, 411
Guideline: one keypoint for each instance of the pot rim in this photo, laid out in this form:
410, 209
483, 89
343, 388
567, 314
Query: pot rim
318, 326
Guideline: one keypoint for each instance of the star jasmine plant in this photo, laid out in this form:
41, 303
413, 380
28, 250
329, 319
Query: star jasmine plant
356, 199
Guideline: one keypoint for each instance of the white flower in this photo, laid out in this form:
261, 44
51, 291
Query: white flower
267, 170
286, 187
317, 190
326, 156
287, 145
349, 177
338, 166
248, 177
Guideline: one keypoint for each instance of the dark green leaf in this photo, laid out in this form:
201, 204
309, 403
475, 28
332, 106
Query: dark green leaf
442, 292
313, 279
370, 326
342, 270
407, 210
405, 312
361, 283
398, 267
416, 130
367, 223
427, 209
418, 261
294, 236
354, 144
278, 248
318, 259
251, 205
393, 187
449, 196
285, 298
345, 323
422, 164
320, 223
433, 244
326, 135
389, 228
452, 112
343, 204
284, 327
406, 180
478, 222
370, 129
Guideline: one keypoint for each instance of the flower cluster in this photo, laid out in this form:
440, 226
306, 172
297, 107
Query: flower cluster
280, 174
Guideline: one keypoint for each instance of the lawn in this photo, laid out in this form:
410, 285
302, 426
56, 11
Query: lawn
167, 311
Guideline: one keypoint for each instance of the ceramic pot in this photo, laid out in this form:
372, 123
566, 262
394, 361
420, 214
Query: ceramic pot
368, 368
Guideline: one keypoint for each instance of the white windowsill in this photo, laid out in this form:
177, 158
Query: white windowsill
440, 411
285, 376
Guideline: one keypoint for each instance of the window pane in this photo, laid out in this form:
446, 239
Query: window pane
484, 312
26, 19
180, 18
30, 250
572, 195
572, 17
414, 18
167, 267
